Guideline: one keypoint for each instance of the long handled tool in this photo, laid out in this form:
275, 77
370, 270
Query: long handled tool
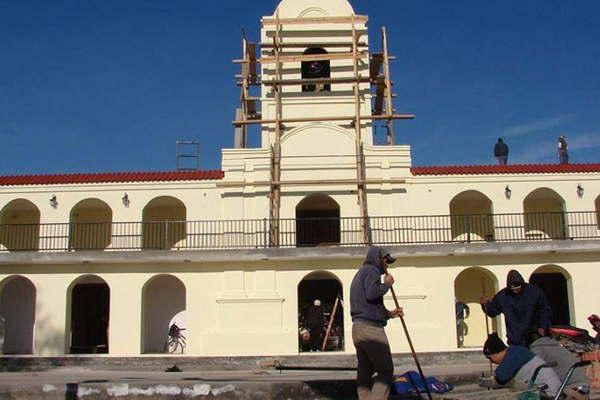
330, 325
487, 323
410, 343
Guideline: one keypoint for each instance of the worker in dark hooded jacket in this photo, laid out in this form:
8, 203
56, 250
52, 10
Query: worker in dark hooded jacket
369, 317
524, 306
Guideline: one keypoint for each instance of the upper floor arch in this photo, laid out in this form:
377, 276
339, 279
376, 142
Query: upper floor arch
544, 216
20, 225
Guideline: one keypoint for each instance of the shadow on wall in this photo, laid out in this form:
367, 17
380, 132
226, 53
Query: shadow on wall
53, 339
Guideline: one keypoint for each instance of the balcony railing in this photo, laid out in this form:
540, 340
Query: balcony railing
306, 232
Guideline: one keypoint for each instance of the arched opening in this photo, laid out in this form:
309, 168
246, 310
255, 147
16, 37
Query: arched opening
89, 301
544, 215
317, 221
325, 316
471, 217
20, 226
91, 225
598, 211
17, 315
317, 69
163, 223
469, 286
556, 285
163, 303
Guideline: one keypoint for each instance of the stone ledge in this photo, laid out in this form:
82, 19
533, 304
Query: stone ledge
295, 254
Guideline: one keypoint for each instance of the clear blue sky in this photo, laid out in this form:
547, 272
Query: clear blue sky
110, 85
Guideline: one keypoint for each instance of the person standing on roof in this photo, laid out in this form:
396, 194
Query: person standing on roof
524, 306
563, 150
369, 317
501, 152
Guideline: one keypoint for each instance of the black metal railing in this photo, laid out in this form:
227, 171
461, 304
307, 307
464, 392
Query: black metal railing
304, 232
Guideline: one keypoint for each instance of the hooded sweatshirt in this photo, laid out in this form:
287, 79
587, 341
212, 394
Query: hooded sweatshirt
524, 313
367, 291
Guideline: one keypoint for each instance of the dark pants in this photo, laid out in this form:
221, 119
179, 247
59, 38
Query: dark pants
316, 337
374, 356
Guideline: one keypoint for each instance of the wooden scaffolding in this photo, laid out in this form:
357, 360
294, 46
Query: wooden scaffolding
378, 78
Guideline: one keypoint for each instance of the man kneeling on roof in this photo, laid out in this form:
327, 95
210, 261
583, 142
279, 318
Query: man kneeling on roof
517, 365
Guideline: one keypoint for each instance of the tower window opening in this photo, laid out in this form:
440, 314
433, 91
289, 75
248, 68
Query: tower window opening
315, 70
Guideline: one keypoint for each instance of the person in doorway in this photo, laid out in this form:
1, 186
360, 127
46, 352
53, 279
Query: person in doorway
314, 321
524, 306
563, 150
369, 317
501, 152
462, 312
578, 386
517, 364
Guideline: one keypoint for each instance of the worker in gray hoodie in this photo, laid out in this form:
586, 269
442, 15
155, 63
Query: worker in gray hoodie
578, 386
369, 317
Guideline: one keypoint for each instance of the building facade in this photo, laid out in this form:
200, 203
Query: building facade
105, 263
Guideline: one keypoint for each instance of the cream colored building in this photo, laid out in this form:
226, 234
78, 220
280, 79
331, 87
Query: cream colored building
104, 263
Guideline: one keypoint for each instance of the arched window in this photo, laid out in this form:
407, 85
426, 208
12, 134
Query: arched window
471, 217
316, 70
320, 311
544, 215
164, 223
317, 221
90, 229
20, 225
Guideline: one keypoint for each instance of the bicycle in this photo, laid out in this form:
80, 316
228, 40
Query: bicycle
175, 340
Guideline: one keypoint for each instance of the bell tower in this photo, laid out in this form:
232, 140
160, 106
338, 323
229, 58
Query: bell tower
312, 72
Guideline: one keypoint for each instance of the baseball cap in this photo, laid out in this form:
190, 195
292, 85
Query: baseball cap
388, 256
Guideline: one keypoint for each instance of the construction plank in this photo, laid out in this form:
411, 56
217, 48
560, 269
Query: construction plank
316, 20
323, 119
312, 44
307, 57
252, 76
316, 81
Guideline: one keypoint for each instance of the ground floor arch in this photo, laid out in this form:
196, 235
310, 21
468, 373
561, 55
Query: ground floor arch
325, 289
469, 286
555, 282
88, 305
163, 303
17, 315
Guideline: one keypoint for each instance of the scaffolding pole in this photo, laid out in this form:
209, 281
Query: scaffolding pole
275, 198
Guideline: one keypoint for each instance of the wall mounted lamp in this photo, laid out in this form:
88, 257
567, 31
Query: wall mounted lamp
507, 192
53, 201
580, 190
125, 200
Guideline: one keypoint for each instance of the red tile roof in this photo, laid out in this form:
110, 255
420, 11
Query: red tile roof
506, 169
115, 177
